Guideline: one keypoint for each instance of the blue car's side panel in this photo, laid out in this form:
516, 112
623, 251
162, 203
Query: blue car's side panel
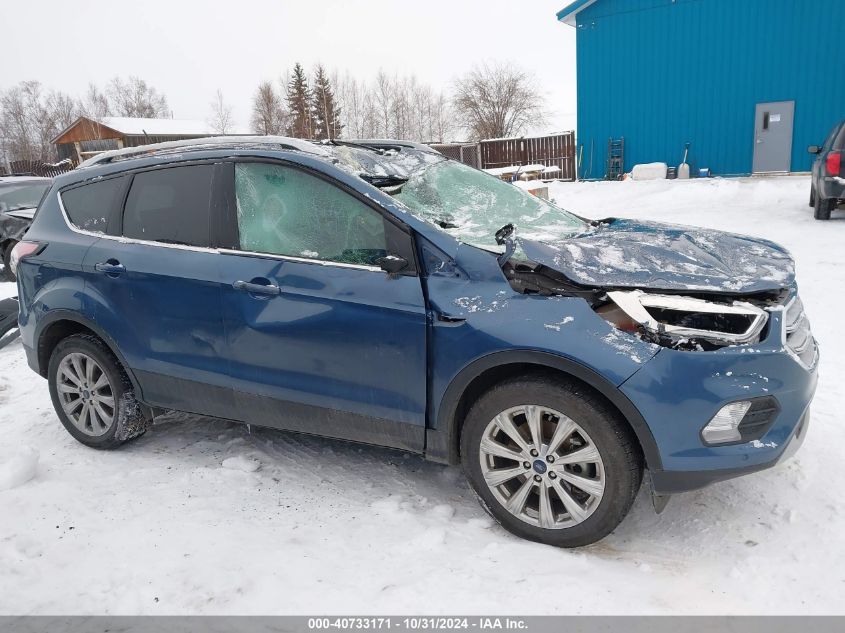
494, 319
336, 337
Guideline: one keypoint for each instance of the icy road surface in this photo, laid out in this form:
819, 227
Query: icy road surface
201, 516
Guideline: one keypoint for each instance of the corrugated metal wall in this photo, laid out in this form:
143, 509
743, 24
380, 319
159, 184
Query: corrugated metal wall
664, 72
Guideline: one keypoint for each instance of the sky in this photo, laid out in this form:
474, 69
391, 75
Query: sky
188, 50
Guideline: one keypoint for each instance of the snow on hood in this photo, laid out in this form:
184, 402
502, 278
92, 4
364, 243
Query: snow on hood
627, 253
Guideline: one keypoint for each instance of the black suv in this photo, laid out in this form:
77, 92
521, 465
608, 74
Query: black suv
827, 188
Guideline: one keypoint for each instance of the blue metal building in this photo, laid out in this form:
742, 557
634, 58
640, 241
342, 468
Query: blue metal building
748, 83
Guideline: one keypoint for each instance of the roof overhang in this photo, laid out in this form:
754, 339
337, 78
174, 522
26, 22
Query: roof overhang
568, 13
85, 129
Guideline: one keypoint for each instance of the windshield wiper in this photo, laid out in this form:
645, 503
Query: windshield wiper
386, 180
377, 150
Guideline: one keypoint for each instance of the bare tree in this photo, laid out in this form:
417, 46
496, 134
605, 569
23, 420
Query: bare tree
136, 98
396, 106
268, 113
17, 125
383, 97
95, 104
29, 120
351, 97
498, 100
221, 119
442, 121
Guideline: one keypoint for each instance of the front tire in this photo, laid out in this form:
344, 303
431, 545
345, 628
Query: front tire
551, 461
823, 208
92, 394
812, 196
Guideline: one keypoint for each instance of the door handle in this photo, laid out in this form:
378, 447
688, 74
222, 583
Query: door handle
257, 289
449, 319
111, 267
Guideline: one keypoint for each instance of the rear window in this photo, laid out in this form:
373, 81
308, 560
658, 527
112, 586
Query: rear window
170, 205
91, 207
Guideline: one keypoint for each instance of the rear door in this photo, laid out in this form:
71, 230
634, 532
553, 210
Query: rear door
156, 282
320, 339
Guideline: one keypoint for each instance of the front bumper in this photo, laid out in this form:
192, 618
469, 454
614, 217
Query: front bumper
678, 393
667, 482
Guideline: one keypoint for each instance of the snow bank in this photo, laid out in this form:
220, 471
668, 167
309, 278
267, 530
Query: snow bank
18, 467
242, 463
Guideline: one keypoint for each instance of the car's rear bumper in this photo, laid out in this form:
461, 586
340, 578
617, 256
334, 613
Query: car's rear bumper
833, 187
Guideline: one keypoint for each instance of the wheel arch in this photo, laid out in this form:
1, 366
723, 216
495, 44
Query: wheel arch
443, 442
58, 325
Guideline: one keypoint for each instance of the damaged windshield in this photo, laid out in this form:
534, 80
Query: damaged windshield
471, 206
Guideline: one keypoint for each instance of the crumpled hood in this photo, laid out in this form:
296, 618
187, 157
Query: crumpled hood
628, 253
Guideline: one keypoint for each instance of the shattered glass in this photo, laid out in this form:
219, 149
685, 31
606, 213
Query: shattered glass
471, 206
285, 211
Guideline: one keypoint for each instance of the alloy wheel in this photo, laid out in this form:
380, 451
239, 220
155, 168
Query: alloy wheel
542, 466
86, 394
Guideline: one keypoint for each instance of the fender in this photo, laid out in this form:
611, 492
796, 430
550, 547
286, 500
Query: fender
56, 315
441, 442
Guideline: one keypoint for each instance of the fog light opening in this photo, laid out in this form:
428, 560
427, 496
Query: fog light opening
724, 427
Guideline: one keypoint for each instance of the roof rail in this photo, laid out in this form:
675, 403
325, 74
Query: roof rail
205, 143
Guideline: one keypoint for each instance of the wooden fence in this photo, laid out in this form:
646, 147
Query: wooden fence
37, 168
552, 151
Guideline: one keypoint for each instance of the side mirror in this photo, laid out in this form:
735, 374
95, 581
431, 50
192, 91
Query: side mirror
814, 149
392, 264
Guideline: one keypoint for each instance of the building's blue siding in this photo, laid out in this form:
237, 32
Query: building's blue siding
664, 72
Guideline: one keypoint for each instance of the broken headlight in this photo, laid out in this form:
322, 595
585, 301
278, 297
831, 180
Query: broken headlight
684, 322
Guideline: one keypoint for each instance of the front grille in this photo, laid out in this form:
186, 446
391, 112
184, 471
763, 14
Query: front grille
799, 338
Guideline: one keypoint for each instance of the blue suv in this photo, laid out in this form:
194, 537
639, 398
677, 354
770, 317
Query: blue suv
378, 292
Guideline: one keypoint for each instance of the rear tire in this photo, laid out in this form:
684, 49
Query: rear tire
92, 394
823, 208
7, 255
598, 452
812, 196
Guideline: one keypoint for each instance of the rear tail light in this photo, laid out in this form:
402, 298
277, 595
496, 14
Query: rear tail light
833, 163
21, 250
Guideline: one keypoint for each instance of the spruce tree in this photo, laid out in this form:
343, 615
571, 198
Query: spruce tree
299, 104
324, 108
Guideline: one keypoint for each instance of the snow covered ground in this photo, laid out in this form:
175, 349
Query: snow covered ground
200, 516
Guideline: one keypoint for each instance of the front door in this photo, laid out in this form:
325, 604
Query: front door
320, 339
773, 137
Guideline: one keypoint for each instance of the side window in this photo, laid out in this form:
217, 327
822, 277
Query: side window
93, 207
170, 205
285, 211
